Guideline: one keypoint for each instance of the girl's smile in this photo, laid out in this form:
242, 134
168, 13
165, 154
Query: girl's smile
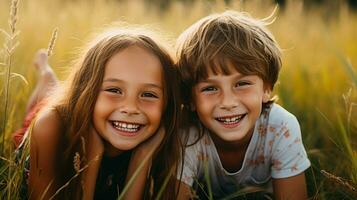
126, 128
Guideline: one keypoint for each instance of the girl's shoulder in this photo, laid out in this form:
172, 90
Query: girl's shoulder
46, 127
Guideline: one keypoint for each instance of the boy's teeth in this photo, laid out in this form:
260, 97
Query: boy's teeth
230, 119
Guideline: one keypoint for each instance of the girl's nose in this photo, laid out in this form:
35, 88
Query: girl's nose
129, 107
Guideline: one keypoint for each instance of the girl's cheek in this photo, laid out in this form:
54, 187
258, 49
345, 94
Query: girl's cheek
153, 108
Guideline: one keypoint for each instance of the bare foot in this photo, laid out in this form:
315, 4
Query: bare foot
43, 67
41, 61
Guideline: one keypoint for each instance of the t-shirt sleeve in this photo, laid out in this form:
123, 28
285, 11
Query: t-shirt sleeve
289, 157
187, 170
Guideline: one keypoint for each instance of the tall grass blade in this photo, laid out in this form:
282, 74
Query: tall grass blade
10, 47
136, 173
21, 77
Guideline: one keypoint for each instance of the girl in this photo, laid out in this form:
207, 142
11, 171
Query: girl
238, 137
105, 117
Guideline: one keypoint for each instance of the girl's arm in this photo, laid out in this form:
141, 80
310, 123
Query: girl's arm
141, 157
44, 143
292, 188
95, 150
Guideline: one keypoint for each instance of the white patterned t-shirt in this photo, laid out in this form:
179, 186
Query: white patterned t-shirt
275, 151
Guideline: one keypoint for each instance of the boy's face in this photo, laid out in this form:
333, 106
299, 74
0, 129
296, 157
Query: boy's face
229, 105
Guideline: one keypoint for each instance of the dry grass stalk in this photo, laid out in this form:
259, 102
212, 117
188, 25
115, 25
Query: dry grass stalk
10, 46
52, 42
339, 180
13, 16
77, 162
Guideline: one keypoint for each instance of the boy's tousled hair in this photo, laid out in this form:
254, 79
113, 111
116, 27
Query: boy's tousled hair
219, 41
75, 106
216, 43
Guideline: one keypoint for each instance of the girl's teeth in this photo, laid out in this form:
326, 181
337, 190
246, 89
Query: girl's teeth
125, 126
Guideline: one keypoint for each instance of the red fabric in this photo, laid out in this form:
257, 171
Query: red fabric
18, 135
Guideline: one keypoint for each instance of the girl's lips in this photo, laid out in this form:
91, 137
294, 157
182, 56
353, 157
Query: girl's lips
126, 128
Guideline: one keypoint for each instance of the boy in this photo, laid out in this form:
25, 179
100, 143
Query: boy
236, 137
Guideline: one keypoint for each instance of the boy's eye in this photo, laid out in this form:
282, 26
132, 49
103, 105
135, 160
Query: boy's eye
114, 90
242, 83
149, 95
208, 89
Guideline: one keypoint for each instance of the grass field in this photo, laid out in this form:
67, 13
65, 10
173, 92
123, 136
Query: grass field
318, 82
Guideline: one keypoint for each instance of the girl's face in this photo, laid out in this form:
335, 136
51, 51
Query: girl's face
229, 105
131, 100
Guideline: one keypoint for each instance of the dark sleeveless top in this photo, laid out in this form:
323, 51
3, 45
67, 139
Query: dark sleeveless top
111, 176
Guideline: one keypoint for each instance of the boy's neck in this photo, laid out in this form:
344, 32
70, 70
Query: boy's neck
231, 154
231, 146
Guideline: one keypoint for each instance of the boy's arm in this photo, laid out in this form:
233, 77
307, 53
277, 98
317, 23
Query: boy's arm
44, 143
140, 163
292, 188
184, 192
289, 161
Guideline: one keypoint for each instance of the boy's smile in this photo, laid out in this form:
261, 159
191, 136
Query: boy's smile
230, 121
229, 105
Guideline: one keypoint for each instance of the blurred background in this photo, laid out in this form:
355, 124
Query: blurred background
317, 82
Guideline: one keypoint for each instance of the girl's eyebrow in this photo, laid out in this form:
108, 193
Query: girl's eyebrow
112, 80
115, 80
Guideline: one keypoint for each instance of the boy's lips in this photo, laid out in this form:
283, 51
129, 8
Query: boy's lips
126, 128
230, 121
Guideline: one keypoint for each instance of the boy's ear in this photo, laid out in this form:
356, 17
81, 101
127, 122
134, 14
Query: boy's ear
266, 95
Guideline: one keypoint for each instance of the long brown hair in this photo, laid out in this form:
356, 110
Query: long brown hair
76, 104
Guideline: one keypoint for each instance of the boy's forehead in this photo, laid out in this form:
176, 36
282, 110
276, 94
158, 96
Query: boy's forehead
218, 67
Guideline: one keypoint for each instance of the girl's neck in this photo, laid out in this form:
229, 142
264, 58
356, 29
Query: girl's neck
111, 151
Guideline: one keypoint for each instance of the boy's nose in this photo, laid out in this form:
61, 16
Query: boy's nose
229, 101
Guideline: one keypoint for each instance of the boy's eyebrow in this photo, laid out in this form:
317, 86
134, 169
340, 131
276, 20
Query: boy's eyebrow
113, 80
214, 79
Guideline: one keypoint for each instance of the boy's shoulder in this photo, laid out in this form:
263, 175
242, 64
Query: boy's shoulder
277, 115
195, 139
191, 135
276, 123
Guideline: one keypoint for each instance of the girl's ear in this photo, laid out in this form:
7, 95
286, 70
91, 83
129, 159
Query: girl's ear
266, 95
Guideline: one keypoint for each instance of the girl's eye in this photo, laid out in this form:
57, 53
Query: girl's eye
242, 83
114, 90
208, 89
149, 95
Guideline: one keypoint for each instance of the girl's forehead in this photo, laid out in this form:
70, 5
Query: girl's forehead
134, 64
